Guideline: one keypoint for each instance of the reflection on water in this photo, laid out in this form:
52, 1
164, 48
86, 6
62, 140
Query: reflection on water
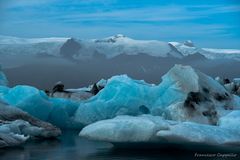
71, 147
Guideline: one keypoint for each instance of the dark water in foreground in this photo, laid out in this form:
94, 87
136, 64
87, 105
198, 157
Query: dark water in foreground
71, 147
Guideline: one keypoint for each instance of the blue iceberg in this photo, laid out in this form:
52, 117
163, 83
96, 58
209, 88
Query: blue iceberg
192, 93
3, 78
35, 102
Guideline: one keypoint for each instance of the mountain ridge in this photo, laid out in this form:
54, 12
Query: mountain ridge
108, 47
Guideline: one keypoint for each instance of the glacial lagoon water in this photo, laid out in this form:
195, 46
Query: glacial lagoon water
72, 147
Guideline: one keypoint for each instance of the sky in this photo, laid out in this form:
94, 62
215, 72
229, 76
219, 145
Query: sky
208, 23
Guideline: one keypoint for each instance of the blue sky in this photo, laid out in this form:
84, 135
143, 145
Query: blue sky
208, 23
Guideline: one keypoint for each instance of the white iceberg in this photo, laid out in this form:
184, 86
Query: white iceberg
199, 133
128, 129
19, 127
125, 129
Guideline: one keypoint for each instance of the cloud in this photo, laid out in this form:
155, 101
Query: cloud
85, 11
169, 13
31, 3
24, 3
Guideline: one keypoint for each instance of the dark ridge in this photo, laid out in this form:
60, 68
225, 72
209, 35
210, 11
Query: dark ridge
70, 48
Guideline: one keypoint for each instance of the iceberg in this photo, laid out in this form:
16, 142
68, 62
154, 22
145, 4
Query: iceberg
79, 93
17, 126
35, 102
148, 128
73, 94
11, 139
3, 78
200, 97
231, 121
200, 133
62, 113
231, 86
125, 129
121, 95
187, 106
9, 114
29, 99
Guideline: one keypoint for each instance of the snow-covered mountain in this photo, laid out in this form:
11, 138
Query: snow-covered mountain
108, 48
30, 46
116, 45
221, 53
16, 40
120, 44
188, 48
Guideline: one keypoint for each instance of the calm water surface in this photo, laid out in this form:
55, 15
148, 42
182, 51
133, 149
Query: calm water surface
71, 147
